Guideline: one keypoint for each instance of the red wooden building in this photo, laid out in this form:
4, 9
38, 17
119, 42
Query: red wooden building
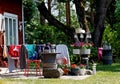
11, 22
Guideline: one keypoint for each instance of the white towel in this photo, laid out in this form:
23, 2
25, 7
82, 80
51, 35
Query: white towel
64, 53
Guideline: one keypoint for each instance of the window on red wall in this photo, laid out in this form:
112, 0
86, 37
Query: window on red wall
11, 28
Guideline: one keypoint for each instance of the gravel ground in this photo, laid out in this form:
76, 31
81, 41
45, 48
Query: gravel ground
19, 74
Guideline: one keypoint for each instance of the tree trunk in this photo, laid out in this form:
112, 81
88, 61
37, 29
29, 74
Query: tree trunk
42, 20
101, 9
80, 10
99, 20
92, 12
49, 6
68, 13
47, 15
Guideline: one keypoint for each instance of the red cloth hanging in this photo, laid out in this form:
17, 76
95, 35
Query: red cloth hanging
14, 50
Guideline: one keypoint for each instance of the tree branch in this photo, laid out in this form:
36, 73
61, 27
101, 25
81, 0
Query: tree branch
53, 21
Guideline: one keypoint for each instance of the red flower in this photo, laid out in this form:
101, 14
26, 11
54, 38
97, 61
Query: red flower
82, 66
73, 65
82, 45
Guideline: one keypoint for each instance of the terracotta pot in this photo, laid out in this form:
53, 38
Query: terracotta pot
65, 71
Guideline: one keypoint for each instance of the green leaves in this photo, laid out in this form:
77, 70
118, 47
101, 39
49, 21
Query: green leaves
117, 11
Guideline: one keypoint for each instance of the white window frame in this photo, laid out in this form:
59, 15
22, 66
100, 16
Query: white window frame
11, 35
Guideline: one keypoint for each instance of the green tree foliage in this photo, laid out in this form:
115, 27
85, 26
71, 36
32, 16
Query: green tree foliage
29, 9
61, 12
112, 31
37, 33
74, 21
117, 16
117, 12
116, 25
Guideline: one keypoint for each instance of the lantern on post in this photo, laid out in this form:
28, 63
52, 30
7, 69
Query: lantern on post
88, 37
80, 33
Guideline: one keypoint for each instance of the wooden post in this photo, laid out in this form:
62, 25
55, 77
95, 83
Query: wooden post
49, 6
68, 13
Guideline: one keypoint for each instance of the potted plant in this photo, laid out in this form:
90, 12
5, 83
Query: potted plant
65, 68
75, 70
86, 48
76, 47
81, 48
82, 69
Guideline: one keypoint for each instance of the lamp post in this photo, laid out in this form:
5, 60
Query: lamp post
81, 37
88, 37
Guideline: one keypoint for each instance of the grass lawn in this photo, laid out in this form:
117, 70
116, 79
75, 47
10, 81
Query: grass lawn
106, 74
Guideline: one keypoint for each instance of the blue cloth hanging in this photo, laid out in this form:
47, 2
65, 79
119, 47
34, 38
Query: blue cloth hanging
32, 54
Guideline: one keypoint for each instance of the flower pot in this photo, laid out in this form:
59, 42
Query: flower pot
76, 51
82, 71
75, 71
85, 51
65, 71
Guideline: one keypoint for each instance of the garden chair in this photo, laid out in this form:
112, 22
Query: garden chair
13, 57
32, 58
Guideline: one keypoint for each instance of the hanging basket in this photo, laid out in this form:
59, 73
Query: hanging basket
85, 51
76, 51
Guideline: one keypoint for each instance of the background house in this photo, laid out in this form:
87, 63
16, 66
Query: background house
11, 22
